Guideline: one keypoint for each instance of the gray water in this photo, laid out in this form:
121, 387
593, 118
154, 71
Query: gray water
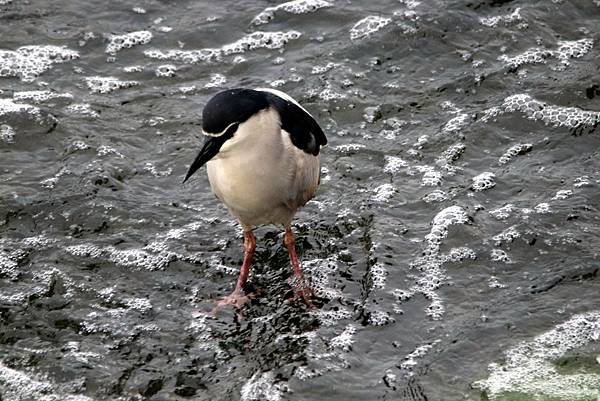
452, 246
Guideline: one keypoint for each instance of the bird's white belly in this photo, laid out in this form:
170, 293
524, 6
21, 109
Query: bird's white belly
260, 175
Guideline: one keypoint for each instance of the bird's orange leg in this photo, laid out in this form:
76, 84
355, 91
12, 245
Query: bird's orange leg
300, 287
237, 297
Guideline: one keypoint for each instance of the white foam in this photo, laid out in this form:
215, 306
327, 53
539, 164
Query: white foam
394, 164
22, 386
383, 193
483, 181
107, 84
436, 196
128, 40
529, 367
457, 123
216, 81
565, 51
508, 236
345, 339
517, 149
292, 7
7, 133
433, 275
83, 109
498, 255
571, 117
28, 62
411, 360
262, 387
368, 26
449, 156
252, 41
542, 208
505, 19
563, 194
165, 70
40, 96
503, 213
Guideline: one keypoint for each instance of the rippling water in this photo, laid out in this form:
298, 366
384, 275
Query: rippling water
453, 243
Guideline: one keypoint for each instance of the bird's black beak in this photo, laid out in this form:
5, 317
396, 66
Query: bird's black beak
209, 150
211, 147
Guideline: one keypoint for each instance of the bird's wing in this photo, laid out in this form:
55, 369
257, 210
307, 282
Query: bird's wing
304, 131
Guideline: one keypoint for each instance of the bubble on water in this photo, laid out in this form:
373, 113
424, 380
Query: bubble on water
216, 81
262, 386
345, 339
147, 258
411, 360
24, 386
565, 51
498, 255
563, 194
508, 236
142, 305
252, 41
483, 181
8, 106
583, 181
331, 317
107, 84
7, 133
436, 196
504, 19
457, 123
379, 318
8, 264
383, 193
503, 213
349, 147
431, 178
320, 271
444, 219
494, 283
292, 7
40, 96
105, 150
126, 41
28, 62
459, 254
393, 164
378, 275
530, 367
328, 94
518, 149
321, 69
449, 156
150, 167
84, 109
368, 26
165, 70
433, 275
542, 208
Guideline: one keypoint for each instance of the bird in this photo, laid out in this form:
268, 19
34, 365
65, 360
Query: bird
261, 151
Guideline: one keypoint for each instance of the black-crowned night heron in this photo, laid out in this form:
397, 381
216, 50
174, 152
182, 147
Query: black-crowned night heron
262, 156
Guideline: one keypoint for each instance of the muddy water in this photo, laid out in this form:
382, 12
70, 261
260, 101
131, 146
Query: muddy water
453, 243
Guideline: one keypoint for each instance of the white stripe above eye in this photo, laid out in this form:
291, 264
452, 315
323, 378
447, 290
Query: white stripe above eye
284, 96
218, 133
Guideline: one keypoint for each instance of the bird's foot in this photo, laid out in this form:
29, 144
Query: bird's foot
304, 292
236, 298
